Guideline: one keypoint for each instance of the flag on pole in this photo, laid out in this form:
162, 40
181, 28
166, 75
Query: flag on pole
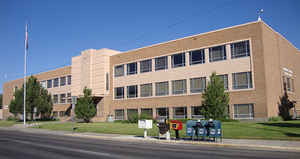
26, 36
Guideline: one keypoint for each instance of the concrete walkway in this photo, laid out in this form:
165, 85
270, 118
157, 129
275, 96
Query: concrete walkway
238, 143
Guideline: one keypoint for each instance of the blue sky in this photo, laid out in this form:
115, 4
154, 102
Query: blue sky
61, 29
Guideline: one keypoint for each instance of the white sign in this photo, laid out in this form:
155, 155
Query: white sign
145, 124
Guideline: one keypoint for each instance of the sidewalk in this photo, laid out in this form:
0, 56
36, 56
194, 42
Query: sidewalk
237, 143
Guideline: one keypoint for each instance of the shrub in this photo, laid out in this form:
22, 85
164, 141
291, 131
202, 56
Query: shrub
278, 118
12, 118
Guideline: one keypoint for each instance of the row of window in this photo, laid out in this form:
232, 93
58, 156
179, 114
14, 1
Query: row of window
52, 83
241, 111
217, 53
241, 80
62, 98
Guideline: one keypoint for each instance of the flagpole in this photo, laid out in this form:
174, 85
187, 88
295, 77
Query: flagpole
25, 60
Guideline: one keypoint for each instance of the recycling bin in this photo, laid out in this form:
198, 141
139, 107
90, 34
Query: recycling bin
196, 128
214, 130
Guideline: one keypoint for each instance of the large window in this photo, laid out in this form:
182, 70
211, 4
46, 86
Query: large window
55, 99
217, 53
162, 88
49, 83
69, 79
56, 82
288, 83
146, 90
162, 112
224, 79
119, 70
178, 60
147, 112
242, 80
240, 49
132, 68
243, 111
179, 113
69, 97
62, 81
197, 57
43, 84
161, 63
197, 84
146, 66
119, 92
179, 87
132, 113
62, 98
132, 91
119, 114
197, 112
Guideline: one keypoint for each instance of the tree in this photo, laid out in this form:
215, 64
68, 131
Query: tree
85, 108
285, 105
36, 97
215, 99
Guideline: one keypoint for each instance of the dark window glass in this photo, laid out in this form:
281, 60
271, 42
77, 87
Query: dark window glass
146, 66
62, 81
119, 70
217, 53
197, 57
49, 83
119, 114
119, 92
132, 91
69, 79
131, 68
240, 49
162, 112
161, 63
178, 60
179, 113
56, 82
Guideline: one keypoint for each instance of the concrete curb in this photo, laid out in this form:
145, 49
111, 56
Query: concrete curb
258, 147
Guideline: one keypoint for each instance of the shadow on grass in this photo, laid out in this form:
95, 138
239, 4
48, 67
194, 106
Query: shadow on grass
292, 135
289, 125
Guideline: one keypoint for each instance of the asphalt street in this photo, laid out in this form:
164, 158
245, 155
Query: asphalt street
23, 145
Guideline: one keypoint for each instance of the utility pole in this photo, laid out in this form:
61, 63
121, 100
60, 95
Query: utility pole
25, 69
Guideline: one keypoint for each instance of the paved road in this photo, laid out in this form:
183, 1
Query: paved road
14, 144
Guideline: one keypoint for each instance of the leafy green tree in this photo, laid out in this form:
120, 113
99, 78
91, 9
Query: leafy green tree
85, 108
215, 99
36, 97
285, 105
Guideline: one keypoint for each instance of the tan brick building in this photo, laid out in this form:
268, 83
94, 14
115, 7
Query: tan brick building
167, 79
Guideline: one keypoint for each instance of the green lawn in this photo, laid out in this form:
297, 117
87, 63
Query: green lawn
285, 130
5, 123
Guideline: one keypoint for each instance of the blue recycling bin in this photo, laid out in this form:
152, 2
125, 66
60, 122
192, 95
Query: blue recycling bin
214, 129
196, 128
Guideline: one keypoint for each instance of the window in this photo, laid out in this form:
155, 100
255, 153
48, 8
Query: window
61, 113
243, 111
224, 78
43, 84
132, 68
162, 88
288, 83
198, 84
132, 91
69, 96
240, 49
55, 99
197, 112
179, 113
131, 114
178, 60
62, 81
217, 53
162, 112
69, 79
119, 114
147, 112
146, 66
242, 80
49, 83
146, 90
119, 70
119, 92
179, 87
161, 63
56, 82
197, 57
62, 98
107, 81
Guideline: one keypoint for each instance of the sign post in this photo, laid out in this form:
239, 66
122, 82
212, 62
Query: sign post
74, 101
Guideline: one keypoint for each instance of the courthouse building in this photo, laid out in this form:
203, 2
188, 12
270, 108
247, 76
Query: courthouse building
168, 79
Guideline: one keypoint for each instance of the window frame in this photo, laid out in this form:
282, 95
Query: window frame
197, 90
182, 64
226, 87
130, 72
211, 52
202, 55
245, 53
143, 67
128, 91
184, 86
116, 68
49, 83
250, 109
69, 79
149, 94
54, 82
116, 92
239, 87
63, 81
184, 116
160, 93
165, 67
159, 109
122, 116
